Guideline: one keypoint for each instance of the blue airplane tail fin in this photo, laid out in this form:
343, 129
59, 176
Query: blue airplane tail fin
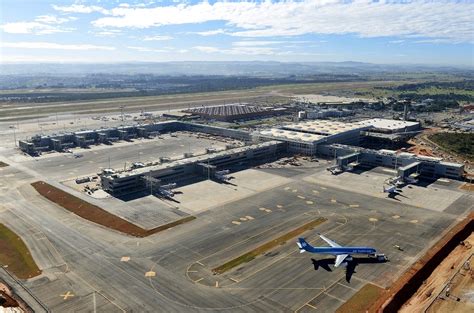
303, 245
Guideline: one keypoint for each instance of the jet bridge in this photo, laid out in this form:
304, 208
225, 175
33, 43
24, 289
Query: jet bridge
349, 161
407, 170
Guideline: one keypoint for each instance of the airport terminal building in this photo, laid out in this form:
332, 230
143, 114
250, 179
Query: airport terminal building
305, 137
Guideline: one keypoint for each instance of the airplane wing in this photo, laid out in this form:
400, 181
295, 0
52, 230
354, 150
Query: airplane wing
329, 241
340, 258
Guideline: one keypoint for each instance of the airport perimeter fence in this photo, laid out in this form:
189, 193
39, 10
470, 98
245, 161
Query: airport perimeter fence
14, 288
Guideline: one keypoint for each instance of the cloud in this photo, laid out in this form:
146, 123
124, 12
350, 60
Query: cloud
31, 28
239, 50
396, 41
450, 20
54, 46
80, 8
42, 25
157, 38
219, 31
146, 49
253, 43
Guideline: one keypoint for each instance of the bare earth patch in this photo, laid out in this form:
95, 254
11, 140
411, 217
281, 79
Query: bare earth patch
96, 214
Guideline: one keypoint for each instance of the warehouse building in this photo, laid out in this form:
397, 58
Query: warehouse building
235, 112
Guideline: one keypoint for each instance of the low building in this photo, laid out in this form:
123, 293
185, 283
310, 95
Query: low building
60, 142
404, 162
234, 112
128, 181
387, 130
389, 126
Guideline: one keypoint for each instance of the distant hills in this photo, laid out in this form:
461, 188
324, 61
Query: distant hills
255, 68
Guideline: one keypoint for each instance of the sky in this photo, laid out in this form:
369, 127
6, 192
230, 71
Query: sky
432, 32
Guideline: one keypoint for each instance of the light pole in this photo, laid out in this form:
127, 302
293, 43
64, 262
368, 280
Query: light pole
14, 135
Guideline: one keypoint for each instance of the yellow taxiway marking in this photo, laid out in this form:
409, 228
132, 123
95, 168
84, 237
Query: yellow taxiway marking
333, 201
217, 284
311, 306
396, 216
414, 221
249, 217
353, 205
309, 202
150, 274
268, 210
236, 222
301, 197
199, 263
279, 206
67, 295
373, 219
262, 209
234, 280
315, 191
125, 259
243, 219
198, 280
294, 190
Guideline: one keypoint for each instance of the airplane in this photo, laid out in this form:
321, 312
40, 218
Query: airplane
390, 189
222, 175
167, 190
343, 254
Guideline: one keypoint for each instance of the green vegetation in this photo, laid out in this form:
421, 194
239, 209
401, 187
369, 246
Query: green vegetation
15, 255
362, 300
453, 90
249, 256
459, 143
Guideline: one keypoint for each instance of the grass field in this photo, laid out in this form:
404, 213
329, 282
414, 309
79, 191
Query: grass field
362, 300
432, 91
249, 256
260, 95
98, 215
15, 255
461, 144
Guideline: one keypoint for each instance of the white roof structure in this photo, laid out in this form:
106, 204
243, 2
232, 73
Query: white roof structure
290, 135
387, 124
325, 127
313, 132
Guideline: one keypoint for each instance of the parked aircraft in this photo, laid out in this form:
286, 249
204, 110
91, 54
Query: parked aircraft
167, 190
390, 189
343, 254
222, 175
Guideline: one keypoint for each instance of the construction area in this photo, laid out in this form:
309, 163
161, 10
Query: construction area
196, 218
